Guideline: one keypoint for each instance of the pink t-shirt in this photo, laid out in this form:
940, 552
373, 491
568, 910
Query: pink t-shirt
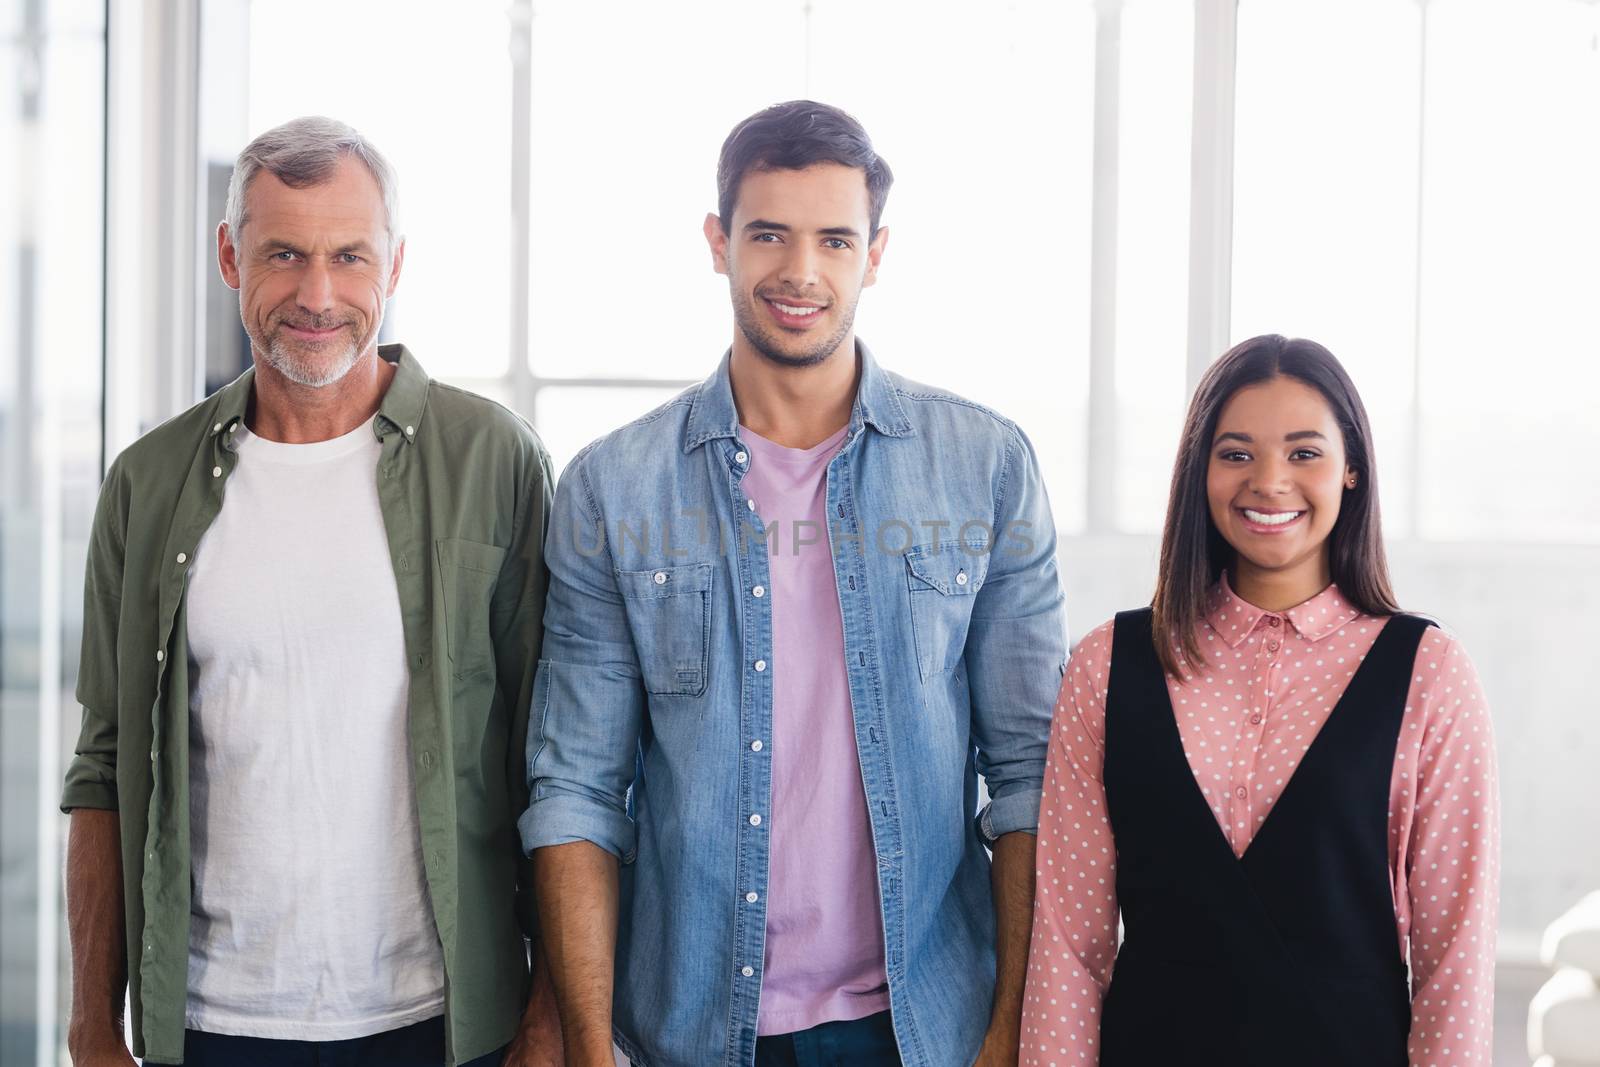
824, 950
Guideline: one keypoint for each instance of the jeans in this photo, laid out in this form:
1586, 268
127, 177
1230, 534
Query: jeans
418, 1045
865, 1042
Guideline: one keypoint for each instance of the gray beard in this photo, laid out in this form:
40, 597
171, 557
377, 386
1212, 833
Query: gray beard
288, 361
767, 344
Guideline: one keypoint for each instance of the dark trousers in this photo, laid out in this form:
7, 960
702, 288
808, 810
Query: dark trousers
418, 1045
865, 1042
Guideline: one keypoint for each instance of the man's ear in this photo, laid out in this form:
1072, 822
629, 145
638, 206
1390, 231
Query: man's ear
394, 267
718, 240
227, 256
875, 247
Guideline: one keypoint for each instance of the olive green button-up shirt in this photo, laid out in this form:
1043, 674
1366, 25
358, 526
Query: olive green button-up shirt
465, 488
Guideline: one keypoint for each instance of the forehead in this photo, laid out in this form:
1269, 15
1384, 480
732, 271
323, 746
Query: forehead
1277, 406
821, 195
348, 203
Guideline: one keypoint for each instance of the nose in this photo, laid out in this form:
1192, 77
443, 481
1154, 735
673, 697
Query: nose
1269, 476
316, 287
799, 268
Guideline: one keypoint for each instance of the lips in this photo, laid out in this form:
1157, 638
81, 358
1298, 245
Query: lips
794, 316
313, 333
1269, 522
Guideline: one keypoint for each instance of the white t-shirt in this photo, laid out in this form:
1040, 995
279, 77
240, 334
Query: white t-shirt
311, 919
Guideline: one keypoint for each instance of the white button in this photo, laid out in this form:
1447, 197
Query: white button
761, 665
759, 591
741, 457
661, 577
411, 431
961, 579
183, 557
751, 898
751, 504
755, 820
216, 472
748, 972
755, 746
160, 655
217, 428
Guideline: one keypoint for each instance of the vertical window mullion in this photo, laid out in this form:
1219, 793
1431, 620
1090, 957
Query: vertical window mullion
1216, 28
1101, 453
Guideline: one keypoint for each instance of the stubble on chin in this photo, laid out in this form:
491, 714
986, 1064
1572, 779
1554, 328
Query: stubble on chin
768, 344
309, 366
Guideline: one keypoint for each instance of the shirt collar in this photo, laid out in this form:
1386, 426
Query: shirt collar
1234, 618
401, 411
713, 414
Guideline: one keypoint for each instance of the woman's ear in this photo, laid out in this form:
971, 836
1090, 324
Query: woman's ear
1349, 478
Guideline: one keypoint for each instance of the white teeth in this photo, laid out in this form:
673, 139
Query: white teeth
1278, 519
787, 310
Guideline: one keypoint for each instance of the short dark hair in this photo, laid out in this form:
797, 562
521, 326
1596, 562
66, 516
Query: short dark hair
794, 136
1193, 552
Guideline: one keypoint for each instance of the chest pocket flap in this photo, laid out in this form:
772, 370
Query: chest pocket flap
942, 580
468, 570
669, 615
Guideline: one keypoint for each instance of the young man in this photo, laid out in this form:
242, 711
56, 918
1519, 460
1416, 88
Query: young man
312, 609
793, 614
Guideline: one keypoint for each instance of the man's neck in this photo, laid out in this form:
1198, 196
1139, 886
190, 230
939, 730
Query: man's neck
796, 407
286, 411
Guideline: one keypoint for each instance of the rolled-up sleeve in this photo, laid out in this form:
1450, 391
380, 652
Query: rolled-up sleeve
91, 779
588, 700
1016, 647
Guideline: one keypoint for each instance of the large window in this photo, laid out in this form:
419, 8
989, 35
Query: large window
1433, 221
52, 57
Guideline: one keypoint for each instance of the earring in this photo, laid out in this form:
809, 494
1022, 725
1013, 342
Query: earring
1350, 482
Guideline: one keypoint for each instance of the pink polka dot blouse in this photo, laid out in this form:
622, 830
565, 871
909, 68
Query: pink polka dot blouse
1246, 719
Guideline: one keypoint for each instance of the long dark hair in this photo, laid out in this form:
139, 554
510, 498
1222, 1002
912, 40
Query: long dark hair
1193, 552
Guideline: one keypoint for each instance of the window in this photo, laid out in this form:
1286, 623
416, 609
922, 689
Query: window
52, 63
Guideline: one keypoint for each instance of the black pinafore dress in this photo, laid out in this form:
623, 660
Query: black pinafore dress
1289, 954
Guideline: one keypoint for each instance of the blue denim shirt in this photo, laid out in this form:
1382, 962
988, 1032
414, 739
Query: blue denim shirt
652, 702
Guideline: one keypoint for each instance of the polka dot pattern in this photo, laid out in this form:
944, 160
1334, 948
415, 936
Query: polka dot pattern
1246, 719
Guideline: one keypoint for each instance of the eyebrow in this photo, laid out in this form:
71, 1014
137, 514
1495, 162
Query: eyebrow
826, 231
290, 246
1298, 435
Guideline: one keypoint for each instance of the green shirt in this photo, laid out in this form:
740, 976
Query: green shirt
465, 490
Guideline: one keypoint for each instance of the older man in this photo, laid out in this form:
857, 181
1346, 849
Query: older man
312, 612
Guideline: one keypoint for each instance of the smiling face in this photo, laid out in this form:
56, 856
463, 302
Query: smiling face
1274, 483
797, 259
313, 267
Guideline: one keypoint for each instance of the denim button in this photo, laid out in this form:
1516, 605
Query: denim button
755, 746
755, 820
761, 665
748, 972
751, 898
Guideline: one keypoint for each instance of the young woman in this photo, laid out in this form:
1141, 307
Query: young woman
1283, 787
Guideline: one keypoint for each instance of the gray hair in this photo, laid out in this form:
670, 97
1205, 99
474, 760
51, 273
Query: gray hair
304, 152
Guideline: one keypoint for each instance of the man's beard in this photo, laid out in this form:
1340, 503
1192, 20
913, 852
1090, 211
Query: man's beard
767, 342
313, 367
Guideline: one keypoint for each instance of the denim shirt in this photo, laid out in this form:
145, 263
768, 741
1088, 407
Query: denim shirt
652, 703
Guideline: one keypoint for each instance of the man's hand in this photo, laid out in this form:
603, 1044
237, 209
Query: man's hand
999, 1050
538, 1040
108, 1054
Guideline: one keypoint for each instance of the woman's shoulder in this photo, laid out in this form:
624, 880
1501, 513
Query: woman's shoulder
1095, 646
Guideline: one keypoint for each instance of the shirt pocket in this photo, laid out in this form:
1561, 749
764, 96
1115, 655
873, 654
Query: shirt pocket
468, 571
943, 580
669, 615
